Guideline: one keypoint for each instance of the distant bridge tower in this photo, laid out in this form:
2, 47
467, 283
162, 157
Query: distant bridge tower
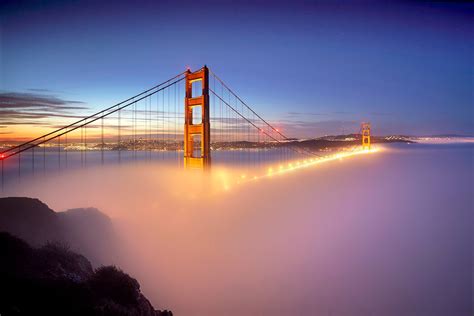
197, 131
365, 128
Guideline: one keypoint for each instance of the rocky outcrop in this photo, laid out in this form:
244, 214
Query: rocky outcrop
29, 219
46, 275
53, 280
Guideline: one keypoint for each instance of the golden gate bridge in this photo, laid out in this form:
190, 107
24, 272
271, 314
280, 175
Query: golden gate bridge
214, 127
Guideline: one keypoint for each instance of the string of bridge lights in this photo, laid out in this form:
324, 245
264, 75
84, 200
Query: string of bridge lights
301, 164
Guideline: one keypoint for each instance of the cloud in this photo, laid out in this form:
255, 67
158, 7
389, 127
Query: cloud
382, 113
39, 90
11, 123
318, 113
300, 128
15, 100
306, 113
27, 108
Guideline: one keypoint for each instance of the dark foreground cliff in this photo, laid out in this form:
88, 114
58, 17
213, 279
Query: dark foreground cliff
51, 279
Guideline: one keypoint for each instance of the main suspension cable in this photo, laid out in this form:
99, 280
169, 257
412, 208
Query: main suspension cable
88, 122
250, 122
89, 117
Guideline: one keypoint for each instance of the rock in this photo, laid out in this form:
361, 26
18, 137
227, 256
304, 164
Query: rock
29, 219
53, 280
46, 275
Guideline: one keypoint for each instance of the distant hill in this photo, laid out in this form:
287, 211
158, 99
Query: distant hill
85, 230
448, 136
340, 141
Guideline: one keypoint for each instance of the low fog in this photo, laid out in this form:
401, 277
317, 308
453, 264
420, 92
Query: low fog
388, 233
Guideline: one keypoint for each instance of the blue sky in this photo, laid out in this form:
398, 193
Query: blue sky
316, 67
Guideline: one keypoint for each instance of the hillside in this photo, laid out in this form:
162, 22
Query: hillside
52, 280
40, 274
85, 230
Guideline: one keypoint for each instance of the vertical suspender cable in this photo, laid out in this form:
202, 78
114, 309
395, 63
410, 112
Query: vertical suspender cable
19, 167
33, 160
119, 137
84, 145
44, 158
102, 145
65, 149
59, 153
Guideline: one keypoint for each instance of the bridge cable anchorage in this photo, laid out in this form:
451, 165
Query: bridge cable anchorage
258, 116
93, 118
89, 117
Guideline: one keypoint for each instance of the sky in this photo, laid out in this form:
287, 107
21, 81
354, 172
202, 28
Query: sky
312, 67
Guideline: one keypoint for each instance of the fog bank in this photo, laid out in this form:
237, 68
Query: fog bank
382, 234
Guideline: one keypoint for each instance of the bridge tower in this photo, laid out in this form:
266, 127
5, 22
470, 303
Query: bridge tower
197, 132
365, 127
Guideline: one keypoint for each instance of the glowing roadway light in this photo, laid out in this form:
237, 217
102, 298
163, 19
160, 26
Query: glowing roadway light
270, 171
312, 162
